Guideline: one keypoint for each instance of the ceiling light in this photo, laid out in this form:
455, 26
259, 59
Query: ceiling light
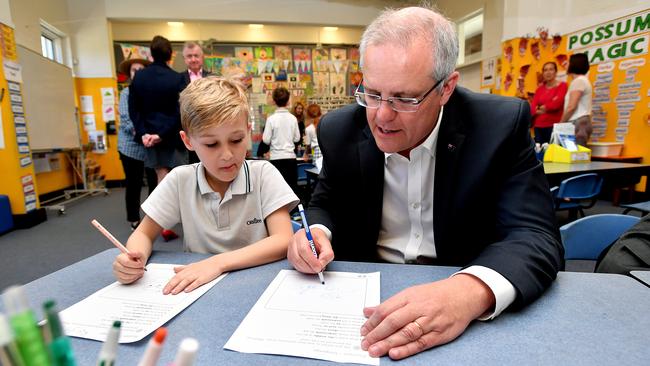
175, 24
330, 29
256, 26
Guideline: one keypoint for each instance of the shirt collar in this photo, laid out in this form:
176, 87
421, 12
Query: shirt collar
430, 143
241, 185
198, 73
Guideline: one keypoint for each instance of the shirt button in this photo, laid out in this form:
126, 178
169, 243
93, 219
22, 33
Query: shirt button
415, 205
417, 236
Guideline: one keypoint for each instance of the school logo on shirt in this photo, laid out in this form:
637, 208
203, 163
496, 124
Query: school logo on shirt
254, 221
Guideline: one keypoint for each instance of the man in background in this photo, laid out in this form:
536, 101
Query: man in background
193, 57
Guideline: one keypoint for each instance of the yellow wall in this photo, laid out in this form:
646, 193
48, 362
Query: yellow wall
110, 164
11, 184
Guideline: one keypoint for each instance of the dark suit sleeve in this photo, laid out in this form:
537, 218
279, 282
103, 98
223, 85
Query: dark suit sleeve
528, 251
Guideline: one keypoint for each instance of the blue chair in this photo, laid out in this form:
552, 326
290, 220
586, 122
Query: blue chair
577, 193
644, 207
587, 237
296, 225
302, 173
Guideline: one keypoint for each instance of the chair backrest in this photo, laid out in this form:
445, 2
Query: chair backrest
295, 225
580, 187
302, 167
587, 237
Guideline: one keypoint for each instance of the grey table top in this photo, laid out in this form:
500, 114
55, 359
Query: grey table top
593, 166
583, 319
643, 276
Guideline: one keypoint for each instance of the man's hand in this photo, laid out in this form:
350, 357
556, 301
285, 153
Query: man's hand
301, 257
424, 316
192, 276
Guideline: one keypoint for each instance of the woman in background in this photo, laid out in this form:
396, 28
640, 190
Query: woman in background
299, 112
311, 141
548, 103
577, 102
132, 154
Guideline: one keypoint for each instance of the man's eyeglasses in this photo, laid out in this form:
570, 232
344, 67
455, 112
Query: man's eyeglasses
398, 104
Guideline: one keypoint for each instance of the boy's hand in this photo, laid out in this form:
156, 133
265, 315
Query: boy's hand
192, 276
300, 255
128, 268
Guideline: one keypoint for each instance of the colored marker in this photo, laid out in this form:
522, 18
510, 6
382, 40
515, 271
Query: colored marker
60, 347
152, 353
9, 354
186, 352
28, 336
310, 238
108, 354
111, 238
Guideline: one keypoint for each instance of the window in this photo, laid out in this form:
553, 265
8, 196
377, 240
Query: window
47, 46
470, 37
51, 42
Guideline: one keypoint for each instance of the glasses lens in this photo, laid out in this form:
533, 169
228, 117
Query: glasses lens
368, 100
405, 105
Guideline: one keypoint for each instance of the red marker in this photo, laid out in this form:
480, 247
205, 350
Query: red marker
152, 353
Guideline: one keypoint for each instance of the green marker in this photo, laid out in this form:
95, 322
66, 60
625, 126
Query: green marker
28, 336
108, 352
9, 355
60, 347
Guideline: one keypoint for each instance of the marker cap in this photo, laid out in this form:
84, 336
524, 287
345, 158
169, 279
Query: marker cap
6, 333
186, 352
15, 300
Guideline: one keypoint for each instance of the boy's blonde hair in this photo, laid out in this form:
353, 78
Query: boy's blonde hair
212, 101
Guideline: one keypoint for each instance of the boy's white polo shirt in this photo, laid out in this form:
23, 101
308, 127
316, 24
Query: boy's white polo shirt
213, 225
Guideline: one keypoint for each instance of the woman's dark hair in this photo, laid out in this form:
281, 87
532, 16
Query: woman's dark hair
578, 64
550, 63
161, 49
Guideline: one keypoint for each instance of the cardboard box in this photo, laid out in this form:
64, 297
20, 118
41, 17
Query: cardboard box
606, 148
557, 154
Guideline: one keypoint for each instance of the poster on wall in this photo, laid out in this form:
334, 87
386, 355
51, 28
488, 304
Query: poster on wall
321, 83
321, 59
130, 51
263, 53
488, 72
97, 140
244, 53
337, 84
302, 60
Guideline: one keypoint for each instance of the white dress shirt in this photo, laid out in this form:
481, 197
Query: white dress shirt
407, 227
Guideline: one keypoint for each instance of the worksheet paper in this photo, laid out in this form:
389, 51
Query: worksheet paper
299, 316
141, 306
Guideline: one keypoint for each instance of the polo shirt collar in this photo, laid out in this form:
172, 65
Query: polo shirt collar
242, 184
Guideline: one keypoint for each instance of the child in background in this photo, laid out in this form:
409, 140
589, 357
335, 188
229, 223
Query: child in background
234, 208
281, 133
311, 140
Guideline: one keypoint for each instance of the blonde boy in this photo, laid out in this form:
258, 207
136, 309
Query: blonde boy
234, 208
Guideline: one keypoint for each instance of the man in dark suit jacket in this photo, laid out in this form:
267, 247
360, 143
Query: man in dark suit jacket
193, 58
430, 173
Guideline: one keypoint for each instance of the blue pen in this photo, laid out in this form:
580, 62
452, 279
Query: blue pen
310, 238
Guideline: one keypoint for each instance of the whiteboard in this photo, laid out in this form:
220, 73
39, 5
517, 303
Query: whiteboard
48, 97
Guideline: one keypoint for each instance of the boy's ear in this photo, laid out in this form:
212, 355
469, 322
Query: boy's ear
186, 140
